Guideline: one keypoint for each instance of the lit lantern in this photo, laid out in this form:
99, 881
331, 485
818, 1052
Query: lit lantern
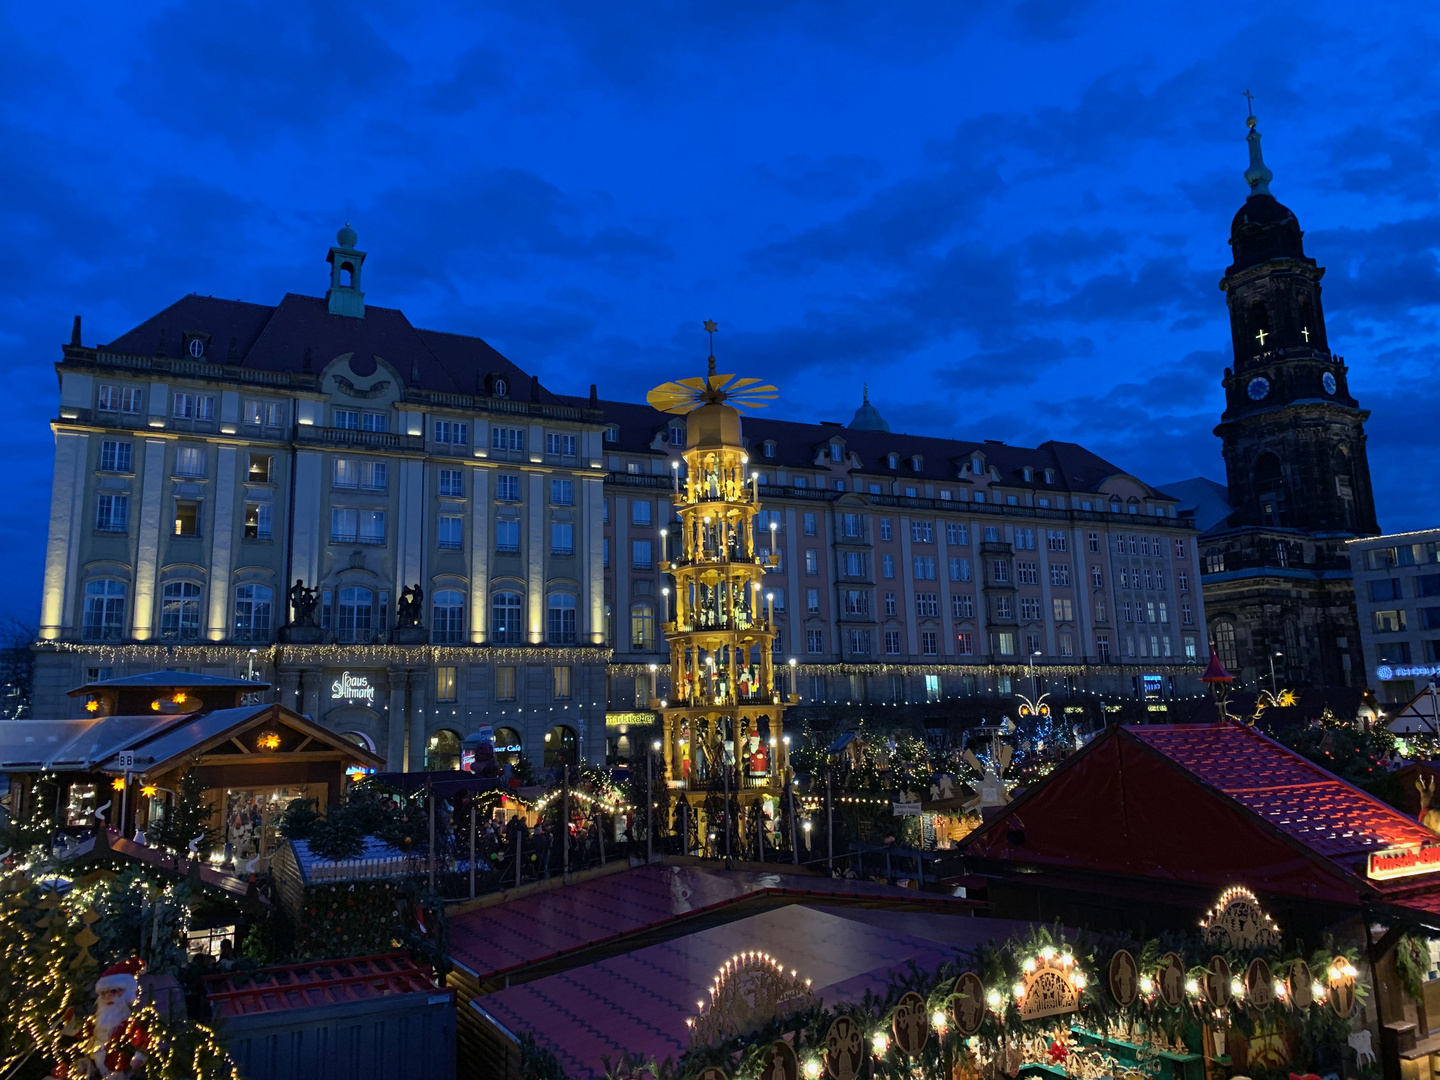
879, 1042
149, 791
269, 740
179, 698
92, 705
118, 783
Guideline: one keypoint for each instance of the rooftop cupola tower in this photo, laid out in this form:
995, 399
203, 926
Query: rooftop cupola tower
344, 296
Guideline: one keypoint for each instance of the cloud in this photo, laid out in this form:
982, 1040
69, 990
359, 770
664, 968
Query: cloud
831, 179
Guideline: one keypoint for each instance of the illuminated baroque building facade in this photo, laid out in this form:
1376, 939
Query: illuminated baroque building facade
223, 456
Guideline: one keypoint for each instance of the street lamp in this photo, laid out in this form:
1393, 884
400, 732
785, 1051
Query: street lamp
1034, 683
794, 686
1273, 657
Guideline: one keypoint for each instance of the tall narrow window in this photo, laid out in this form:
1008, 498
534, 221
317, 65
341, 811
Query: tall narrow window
447, 626
506, 627
252, 613
180, 611
560, 621
355, 615
104, 611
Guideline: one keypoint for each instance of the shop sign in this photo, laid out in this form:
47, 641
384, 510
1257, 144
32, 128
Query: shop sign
1419, 671
1403, 862
905, 809
352, 688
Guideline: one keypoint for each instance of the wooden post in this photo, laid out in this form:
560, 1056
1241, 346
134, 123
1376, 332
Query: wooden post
472, 846
600, 828
565, 817
649, 800
430, 791
725, 773
794, 847
760, 826
519, 848
829, 824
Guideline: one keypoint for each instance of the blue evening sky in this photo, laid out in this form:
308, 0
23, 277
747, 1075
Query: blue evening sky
1008, 219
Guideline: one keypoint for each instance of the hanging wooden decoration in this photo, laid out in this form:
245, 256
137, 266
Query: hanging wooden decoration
710, 1072
1170, 980
748, 991
844, 1049
1049, 986
910, 1024
1238, 922
1340, 982
1217, 982
1302, 985
1259, 985
1124, 978
780, 1062
967, 1004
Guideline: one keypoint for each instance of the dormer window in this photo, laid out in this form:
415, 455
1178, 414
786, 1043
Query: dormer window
501, 388
197, 347
837, 452
977, 466
612, 434
1029, 474
894, 461
917, 463
769, 448
1049, 476
677, 436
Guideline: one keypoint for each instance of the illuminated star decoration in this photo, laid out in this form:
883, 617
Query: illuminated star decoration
685, 395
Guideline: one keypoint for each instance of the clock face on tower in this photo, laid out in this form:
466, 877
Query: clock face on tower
1328, 381
1258, 388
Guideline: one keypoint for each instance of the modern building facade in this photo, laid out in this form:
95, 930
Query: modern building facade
1397, 598
409, 536
1276, 571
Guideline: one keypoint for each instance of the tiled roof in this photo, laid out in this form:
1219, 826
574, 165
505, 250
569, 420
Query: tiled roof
305, 986
1292, 793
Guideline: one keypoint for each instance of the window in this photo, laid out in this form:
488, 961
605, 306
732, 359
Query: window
1126, 612
1223, 633
959, 569
373, 475
817, 687
812, 601
812, 561
347, 473
1029, 607
924, 567
562, 538
1004, 608
1164, 613
1145, 546
445, 684
512, 439
1067, 644
768, 449
1060, 574
884, 528
927, 605
190, 461
605, 552
856, 602
452, 432
1064, 609
258, 518
108, 398
560, 619
1005, 643
189, 406
887, 565
850, 526
504, 684
505, 625
187, 517
372, 526
929, 645
1102, 648
892, 642
814, 641
252, 613
266, 413
560, 684
180, 611
1389, 621
633, 468
890, 606
640, 550
557, 445
1097, 577
800, 481
922, 532
992, 534
1027, 573
507, 537
451, 534
1025, 539
1000, 570
447, 626
104, 611
962, 607
1187, 616
640, 512
355, 614
452, 483
1386, 589
1190, 647
1150, 610
507, 488
854, 564
859, 642
1214, 562
1032, 644
115, 456
112, 513
809, 523
1092, 541
1055, 540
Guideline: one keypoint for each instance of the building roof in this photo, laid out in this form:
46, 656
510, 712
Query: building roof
1205, 805
300, 336
1206, 500
517, 934
169, 680
638, 1002
308, 986
798, 445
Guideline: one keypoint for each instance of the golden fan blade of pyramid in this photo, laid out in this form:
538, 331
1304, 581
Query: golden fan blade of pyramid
684, 395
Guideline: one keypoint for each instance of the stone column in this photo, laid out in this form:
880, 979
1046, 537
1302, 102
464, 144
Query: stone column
395, 721
419, 719
310, 679
287, 690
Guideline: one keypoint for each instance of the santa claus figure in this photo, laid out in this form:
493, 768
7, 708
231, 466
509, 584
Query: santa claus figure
114, 1044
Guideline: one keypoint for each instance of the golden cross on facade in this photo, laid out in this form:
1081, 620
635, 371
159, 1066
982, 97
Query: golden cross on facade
1305, 332
1260, 337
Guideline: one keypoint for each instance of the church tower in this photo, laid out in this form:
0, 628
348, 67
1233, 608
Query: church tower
1293, 436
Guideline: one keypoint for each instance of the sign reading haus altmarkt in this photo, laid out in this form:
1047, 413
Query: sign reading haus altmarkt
352, 688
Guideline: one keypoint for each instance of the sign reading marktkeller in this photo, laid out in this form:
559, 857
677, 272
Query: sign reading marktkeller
1403, 862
